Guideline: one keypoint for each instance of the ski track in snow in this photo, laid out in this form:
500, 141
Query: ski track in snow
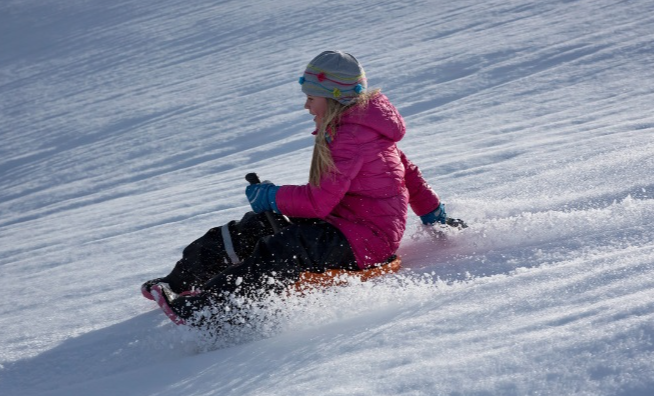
127, 128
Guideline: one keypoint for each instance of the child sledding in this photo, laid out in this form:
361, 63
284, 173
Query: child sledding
351, 216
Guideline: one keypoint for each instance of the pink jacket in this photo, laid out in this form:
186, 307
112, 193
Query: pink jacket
367, 198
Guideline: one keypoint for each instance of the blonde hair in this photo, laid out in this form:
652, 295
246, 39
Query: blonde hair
322, 162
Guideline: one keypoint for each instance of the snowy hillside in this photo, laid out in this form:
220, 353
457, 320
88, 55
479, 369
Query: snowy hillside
126, 128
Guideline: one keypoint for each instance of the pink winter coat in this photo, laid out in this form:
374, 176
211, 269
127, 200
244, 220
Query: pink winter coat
368, 196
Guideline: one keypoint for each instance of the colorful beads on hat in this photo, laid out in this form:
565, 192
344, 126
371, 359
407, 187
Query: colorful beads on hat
336, 92
321, 76
302, 80
358, 88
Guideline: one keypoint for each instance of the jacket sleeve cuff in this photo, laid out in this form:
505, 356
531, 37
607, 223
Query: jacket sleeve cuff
272, 198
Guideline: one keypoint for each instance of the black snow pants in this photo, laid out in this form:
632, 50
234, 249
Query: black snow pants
246, 257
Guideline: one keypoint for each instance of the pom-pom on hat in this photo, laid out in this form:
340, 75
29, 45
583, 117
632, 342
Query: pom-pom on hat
334, 74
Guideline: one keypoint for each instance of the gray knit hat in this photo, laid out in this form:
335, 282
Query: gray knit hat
334, 74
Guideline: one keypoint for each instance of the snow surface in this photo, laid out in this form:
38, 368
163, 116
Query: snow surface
127, 128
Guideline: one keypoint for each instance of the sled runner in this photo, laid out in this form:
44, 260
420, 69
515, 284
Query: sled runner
162, 294
311, 280
335, 277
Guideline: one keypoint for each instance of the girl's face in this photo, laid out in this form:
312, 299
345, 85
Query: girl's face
317, 106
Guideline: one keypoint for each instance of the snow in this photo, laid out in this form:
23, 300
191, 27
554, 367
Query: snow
128, 126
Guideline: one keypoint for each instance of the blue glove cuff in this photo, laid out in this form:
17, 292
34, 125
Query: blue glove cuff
436, 216
272, 198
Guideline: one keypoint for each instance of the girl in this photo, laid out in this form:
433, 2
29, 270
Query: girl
351, 215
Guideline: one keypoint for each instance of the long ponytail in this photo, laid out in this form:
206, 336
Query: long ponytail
322, 162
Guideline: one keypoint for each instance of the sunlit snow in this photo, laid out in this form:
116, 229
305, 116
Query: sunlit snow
127, 128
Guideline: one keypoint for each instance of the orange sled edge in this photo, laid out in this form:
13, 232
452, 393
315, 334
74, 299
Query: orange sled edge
335, 277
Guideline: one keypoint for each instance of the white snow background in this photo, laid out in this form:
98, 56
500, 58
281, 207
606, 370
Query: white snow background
127, 128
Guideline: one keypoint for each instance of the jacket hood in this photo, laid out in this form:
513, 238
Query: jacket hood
378, 115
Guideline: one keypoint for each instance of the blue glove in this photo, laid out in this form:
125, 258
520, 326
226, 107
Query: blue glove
262, 197
438, 215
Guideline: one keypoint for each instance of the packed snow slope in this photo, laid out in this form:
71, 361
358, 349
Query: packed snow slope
127, 128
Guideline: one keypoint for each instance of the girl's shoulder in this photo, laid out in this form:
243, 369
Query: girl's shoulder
375, 118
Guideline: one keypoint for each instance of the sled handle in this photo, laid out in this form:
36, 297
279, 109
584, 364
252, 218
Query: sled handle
253, 178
